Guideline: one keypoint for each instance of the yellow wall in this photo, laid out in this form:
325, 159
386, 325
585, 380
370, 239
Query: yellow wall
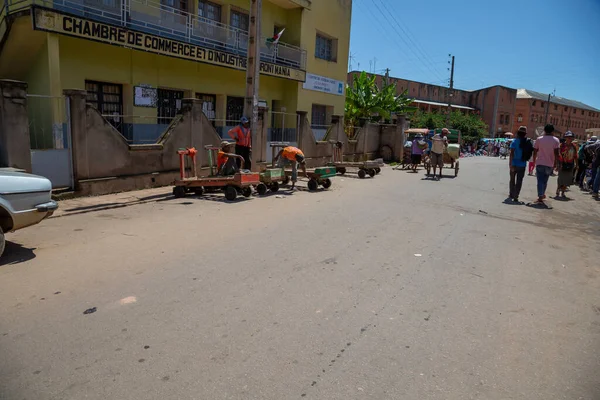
332, 18
80, 59
106, 63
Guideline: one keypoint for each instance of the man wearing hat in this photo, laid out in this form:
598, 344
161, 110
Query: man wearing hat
439, 143
242, 136
226, 161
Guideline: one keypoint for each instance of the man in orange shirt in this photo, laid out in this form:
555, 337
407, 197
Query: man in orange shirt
291, 156
226, 161
243, 141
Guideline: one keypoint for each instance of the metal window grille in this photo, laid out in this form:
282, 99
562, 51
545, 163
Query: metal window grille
235, 109
323, 48
168, 105
209, 10
318, 115
108, 100
240, 20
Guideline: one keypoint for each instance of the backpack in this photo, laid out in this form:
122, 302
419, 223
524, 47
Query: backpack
527, 150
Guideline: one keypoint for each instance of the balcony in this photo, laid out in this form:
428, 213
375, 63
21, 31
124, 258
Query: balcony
292, 3
161, 20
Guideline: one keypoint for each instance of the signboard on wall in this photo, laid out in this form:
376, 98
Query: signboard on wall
323, 84
144, 96
53, 21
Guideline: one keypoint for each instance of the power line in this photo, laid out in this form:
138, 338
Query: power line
385, 34
408, 35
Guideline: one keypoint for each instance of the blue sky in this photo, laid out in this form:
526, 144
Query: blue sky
540, 45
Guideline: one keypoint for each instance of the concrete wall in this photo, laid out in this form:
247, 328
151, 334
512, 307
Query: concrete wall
14, 126
99, 151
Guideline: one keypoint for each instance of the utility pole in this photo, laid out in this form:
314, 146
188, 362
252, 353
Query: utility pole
553, 94
450, 94
387, 76
253, 66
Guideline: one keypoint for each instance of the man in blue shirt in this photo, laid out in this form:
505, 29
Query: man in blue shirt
517, 165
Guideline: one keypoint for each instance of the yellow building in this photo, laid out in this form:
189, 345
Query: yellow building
138, 58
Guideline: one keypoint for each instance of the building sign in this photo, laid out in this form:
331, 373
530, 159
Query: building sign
323, 84
52, 21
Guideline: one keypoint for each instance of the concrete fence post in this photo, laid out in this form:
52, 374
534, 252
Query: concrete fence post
15, 143
302, 128
79, 148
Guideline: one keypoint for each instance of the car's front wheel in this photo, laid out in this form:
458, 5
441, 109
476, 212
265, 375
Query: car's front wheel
2, 241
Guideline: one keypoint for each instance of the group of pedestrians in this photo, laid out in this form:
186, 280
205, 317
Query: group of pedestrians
549, 154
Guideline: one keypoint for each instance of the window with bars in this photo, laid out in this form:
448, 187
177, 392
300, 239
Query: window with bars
325, 48
318, 116
235, 109
209, 105
168, 105
239, 20
107, 98
209, 10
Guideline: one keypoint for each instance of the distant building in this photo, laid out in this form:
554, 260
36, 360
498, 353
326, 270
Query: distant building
564, 114
495, 104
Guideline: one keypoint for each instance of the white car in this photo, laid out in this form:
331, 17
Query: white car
25, 200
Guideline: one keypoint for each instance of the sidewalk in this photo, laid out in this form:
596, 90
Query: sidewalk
82, 205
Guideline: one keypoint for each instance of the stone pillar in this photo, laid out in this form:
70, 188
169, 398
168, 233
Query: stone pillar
79, 148
302, 129
15, 145
338, 128
194, 107
399, 140
259, 140
55, 90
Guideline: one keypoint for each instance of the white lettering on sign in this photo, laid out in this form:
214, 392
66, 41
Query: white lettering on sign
323, 84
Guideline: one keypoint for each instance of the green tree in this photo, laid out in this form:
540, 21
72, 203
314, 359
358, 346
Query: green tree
365, 101
471, 126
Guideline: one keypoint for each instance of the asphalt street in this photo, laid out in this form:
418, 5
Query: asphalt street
396, 287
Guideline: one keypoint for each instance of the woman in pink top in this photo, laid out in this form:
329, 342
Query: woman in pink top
545, 158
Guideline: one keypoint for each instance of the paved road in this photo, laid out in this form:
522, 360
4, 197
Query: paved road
314, 295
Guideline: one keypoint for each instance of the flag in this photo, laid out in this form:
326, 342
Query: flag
275, 39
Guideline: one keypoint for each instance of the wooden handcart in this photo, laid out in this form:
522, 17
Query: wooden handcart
240, 183
363, 168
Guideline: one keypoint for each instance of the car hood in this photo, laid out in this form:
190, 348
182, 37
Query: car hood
21, 182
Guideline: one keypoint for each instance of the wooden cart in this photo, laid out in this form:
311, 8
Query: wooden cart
317, 177
363, 168
240, 183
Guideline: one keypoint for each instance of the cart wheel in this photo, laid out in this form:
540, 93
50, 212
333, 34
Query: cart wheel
341, 170
261, 189
456, 169
199, 191
377, 170
274, 187
247, 191
313, 185
372, 172
230, 193
179, 191
362, 173
326, 183
285, 180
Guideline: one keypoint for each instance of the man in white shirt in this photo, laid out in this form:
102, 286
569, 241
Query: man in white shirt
439, 143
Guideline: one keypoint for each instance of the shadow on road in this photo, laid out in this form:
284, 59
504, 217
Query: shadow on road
15, 253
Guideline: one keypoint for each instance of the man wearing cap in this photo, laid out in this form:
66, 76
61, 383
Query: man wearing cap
291, 156
226, 161
439, 143
243, 141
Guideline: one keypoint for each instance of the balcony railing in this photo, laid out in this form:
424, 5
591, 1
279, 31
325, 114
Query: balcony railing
165, 21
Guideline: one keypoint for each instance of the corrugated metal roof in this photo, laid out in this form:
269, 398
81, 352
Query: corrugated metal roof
530, 94
435, 103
